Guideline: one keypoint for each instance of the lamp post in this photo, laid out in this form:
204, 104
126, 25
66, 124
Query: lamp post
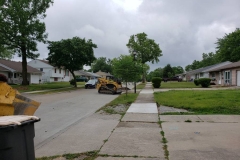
134, 55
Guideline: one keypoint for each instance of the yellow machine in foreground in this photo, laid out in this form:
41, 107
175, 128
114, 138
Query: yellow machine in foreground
12, 103
109, 85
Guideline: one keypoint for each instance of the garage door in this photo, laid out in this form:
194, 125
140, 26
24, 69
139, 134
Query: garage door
238, 78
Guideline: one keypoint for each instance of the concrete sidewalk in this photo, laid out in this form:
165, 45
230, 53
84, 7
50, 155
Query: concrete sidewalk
138, 133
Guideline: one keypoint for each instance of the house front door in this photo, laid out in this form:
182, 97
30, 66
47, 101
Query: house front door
227, 77
220, 78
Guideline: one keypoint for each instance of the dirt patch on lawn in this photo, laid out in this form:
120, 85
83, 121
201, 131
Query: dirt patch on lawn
117, 109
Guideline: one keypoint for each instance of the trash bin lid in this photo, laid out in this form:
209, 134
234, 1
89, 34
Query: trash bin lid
15, 120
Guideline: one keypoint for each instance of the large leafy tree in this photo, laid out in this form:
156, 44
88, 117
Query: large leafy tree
177, 70
126, 68
21, 27
147, 50
71, 54
228, 47
168, 71
207, 60
103, 64
156, 73
6, 53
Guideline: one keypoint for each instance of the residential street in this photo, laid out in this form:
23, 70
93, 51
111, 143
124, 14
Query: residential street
60, 111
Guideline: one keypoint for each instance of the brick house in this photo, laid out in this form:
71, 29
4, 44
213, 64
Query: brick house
227, 75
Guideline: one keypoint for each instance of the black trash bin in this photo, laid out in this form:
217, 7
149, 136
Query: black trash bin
16, 141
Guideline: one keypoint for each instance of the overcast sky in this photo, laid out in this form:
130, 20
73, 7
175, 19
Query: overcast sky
184, 29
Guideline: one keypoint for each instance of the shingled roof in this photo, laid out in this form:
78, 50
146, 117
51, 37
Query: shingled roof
232, 65
16, 66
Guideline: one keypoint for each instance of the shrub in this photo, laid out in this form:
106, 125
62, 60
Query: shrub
205, 82
156, 81
196, 82
3, 78
72, 82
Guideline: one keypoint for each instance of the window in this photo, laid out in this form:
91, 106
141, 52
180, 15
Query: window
66, 73
55, 79
55, 70
15, 75
60, 71
213, 75
201, 74
41, 69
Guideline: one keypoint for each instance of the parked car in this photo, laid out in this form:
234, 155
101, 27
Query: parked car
173, 79
91, 83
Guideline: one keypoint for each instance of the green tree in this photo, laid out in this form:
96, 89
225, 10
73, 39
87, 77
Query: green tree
156, 73
103, 64
126, 68
188, 68
208, 59
147, 50
6, 53
228, 47
177, 70
168, 71
21, 27
71, 54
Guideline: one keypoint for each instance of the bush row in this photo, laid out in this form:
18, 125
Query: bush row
204, 82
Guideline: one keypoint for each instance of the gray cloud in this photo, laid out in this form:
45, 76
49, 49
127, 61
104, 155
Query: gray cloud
184, 29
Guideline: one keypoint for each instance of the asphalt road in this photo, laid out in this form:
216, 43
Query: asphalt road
61, 111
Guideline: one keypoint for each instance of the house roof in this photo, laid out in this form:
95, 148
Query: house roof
88, 74
17, 66
208, 68
93, 74
232, 65
44, 61
3, 69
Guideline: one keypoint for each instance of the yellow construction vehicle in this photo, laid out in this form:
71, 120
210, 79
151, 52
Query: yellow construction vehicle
12, 103
109, 85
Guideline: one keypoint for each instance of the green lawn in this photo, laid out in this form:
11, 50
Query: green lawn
45, 86
178, 85
202, 102
141, 85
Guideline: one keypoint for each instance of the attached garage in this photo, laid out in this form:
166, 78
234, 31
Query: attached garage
238, 78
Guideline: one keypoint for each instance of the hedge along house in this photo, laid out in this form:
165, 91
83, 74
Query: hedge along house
203, 72
51, 73
228, 75
13, 71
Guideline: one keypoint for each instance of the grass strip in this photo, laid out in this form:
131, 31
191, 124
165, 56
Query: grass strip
202, 102
141, 86
91, 155
178, 85
122, 99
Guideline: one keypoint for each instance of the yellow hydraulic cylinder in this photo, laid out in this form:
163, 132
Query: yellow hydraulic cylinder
12, 103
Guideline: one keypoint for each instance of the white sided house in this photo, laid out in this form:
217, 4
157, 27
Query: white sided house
13, 71
50, 73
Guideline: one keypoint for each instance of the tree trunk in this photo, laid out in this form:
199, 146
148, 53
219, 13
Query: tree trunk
74, 77
24, 66
143, 75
